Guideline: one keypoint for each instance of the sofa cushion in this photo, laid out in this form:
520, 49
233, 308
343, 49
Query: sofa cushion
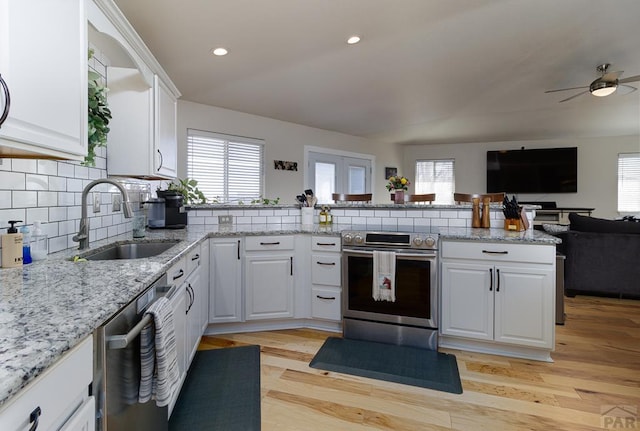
593, 224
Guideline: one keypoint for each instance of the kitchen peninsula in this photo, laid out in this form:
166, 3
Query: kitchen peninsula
49, 307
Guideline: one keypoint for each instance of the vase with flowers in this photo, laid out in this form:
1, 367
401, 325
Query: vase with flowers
398, 185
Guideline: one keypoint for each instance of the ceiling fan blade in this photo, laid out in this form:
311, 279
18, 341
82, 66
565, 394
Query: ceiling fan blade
632, 89
574, 96
630, 79
565, 89
611, 76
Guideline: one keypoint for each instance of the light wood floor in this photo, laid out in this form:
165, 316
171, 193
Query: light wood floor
597, 366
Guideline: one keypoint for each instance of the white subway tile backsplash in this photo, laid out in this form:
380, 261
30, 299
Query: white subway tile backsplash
24, 165
65, 170
11, 214
47, 199
57, 213
5, 164
12, 180
24, 199
75, 185
66, 199
36, 182
47, 167
57, 184
68, 227
80, 171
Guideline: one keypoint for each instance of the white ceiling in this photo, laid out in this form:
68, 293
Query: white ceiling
426, 71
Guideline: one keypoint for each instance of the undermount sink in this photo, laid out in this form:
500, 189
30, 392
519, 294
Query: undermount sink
131, 250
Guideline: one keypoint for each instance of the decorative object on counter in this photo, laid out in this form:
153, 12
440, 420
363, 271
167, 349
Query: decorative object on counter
99, 116
188, 188
285, 165
398, 184
307, 199
306, 215
486, 220
514, 218
12, 246
325, 216
475, 213
39, 243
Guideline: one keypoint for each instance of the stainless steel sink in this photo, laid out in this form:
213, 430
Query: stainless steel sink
131, 250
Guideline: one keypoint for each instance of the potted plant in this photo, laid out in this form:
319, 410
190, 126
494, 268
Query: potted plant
99, 116
186, 187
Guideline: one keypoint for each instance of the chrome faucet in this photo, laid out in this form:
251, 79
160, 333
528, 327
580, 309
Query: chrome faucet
83, 234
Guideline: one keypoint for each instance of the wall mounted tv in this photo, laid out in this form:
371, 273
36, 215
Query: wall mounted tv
540, 170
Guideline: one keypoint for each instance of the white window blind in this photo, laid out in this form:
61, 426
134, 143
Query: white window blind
629, 182
228, 168
436, 176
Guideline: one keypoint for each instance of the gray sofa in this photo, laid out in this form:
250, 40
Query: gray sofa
602, 257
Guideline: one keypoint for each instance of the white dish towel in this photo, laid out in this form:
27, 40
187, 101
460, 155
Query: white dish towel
158, 357
384, 276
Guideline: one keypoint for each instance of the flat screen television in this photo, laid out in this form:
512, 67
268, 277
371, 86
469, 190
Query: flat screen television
540, 170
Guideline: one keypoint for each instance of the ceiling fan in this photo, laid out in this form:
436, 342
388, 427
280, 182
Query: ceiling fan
604, 85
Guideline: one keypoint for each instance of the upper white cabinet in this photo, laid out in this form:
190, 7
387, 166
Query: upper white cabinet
142, 141
43, 61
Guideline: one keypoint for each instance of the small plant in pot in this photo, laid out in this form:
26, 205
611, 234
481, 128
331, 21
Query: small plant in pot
186, 187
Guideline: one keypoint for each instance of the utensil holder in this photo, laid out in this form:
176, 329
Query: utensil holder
306, 214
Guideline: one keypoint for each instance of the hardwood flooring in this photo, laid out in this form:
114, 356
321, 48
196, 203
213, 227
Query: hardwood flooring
596, 369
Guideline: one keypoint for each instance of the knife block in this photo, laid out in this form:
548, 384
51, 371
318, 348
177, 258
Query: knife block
513, 224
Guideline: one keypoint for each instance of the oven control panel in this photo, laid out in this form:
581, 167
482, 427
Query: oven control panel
423, 241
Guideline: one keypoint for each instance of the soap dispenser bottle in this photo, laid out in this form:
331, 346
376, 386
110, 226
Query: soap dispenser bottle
26, 245
12, 246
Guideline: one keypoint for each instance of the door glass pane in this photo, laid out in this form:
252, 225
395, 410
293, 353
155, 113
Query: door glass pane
325, 181
357, 177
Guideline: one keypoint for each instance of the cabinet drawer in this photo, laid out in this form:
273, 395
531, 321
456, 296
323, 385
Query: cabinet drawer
325, 304
177, 273
325, 269
266, 243
193, 258
58, 392
499, 252
325, 243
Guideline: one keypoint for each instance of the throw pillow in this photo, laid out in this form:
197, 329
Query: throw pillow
554, 228
593, 224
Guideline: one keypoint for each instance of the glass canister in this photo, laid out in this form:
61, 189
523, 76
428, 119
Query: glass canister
39, 242
155, 213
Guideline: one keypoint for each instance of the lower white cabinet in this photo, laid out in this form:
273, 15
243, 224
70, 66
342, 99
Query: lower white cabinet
225, 280
193, 290
502, 294
269, 286
326, 278
178, 302
58, 399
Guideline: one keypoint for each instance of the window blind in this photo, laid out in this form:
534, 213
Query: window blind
436, 176
629, 182
228, 168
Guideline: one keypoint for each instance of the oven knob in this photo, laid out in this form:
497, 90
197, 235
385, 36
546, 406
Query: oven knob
347, 238
417, 241
358, 239
429, 241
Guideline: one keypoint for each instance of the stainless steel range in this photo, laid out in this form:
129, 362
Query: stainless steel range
412, 318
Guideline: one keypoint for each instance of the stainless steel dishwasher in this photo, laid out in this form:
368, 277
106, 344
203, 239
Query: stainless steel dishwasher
117, 368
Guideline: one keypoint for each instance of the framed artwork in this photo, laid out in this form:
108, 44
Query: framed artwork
285, 165
390, 172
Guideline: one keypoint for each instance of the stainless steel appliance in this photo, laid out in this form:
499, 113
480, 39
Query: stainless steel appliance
175, 216
412, 319
117, 368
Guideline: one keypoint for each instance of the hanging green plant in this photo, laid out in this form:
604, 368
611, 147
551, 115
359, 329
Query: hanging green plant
99, 116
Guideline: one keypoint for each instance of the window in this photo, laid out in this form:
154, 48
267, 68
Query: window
338, 173
227, 168
436, 176
629, 182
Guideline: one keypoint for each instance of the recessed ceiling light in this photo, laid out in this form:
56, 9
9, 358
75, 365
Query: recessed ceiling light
220, 51
353, 40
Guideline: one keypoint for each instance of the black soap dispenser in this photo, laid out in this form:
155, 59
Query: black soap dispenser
12, 246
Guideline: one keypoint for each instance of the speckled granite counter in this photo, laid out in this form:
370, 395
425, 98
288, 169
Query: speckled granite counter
48, 307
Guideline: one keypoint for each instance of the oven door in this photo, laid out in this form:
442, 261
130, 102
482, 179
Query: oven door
416, 288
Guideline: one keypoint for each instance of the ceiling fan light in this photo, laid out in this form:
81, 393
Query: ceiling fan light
603, 88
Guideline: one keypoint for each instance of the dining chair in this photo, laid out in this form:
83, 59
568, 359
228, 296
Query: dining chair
354, 197
465, 197
428, 197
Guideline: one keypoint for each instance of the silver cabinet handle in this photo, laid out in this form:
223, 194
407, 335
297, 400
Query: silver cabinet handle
7, 103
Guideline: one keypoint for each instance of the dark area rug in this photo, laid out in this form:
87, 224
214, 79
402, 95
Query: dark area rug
221, 392
400, 364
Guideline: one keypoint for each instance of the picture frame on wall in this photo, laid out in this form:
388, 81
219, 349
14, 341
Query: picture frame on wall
390, 172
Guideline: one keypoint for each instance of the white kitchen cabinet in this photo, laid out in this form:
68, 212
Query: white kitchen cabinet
204, 282
225, 280
193, 312
178, 302
60, 394
142, 141
43, 60
501, 294
326, 278
269, 277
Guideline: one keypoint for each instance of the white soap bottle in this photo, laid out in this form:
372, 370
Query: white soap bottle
39, 243
12, 246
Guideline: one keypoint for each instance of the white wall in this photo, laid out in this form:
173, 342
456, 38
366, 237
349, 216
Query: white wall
284, 141
597, 168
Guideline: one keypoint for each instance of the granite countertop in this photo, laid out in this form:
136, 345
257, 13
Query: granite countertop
48, 307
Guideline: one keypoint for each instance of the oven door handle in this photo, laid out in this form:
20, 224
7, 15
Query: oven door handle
420, 255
